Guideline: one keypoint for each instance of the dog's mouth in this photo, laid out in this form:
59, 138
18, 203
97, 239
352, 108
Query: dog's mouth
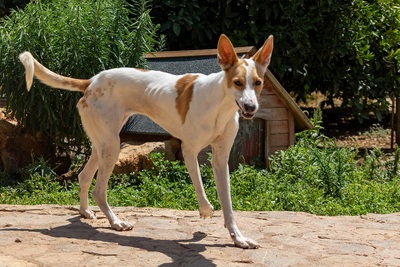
246, 115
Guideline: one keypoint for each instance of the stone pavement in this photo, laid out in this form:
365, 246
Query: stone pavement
49, 235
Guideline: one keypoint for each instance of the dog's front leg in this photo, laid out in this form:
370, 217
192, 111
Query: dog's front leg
220, 155
222, 180
190, 156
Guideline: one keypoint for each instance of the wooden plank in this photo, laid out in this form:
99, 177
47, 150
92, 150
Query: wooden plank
280, 140
272, 113
268, 88
278, 127
271, 101
249, 50
302, 122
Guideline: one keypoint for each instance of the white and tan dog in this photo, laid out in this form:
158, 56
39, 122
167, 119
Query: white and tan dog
198, 109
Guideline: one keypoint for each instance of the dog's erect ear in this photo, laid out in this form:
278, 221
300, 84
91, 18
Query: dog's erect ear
263, 55
226, 53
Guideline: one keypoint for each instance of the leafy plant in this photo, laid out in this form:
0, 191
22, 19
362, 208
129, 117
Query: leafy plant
74, 38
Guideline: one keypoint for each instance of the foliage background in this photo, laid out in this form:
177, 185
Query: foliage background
75, 38
348, 50
345, 49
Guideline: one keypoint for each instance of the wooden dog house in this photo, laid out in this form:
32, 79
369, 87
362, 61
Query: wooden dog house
272, 129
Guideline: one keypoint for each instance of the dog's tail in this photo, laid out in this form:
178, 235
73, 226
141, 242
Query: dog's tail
46, 76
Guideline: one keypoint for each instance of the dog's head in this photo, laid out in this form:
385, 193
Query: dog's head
245, 77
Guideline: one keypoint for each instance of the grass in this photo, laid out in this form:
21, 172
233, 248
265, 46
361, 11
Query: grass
377, 131
315, 175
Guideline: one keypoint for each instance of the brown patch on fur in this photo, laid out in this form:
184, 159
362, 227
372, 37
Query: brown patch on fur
142, 70
236, 73
256, 78
244, 62
82, 103
95, 92
76, 83
88, 93
111, 85
184, 87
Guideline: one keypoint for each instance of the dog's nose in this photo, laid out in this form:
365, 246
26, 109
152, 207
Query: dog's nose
249, 108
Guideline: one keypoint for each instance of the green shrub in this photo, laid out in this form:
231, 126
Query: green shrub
74, 38
346, 49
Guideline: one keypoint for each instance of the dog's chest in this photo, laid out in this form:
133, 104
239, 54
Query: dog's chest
204, 129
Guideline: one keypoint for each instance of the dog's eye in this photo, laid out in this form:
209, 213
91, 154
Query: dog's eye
258, 83
238, 83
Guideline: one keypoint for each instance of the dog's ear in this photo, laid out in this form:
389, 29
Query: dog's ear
226, 53
263, 55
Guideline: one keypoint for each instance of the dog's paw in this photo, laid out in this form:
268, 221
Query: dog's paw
121, 225
244, 242
87, 213
206, 212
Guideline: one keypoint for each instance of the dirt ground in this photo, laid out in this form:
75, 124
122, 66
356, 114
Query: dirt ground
49, 235
342, 125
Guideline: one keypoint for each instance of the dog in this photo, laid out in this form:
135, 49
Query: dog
195, 108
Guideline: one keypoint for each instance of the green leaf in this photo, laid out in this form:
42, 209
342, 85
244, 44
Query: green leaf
181, 11
378, 115
165, 26
176, 27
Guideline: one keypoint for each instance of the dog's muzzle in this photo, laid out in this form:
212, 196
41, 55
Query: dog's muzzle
248, 110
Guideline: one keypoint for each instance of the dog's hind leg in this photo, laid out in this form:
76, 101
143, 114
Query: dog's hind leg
85, 179
190, 156
102, 127
108, 152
